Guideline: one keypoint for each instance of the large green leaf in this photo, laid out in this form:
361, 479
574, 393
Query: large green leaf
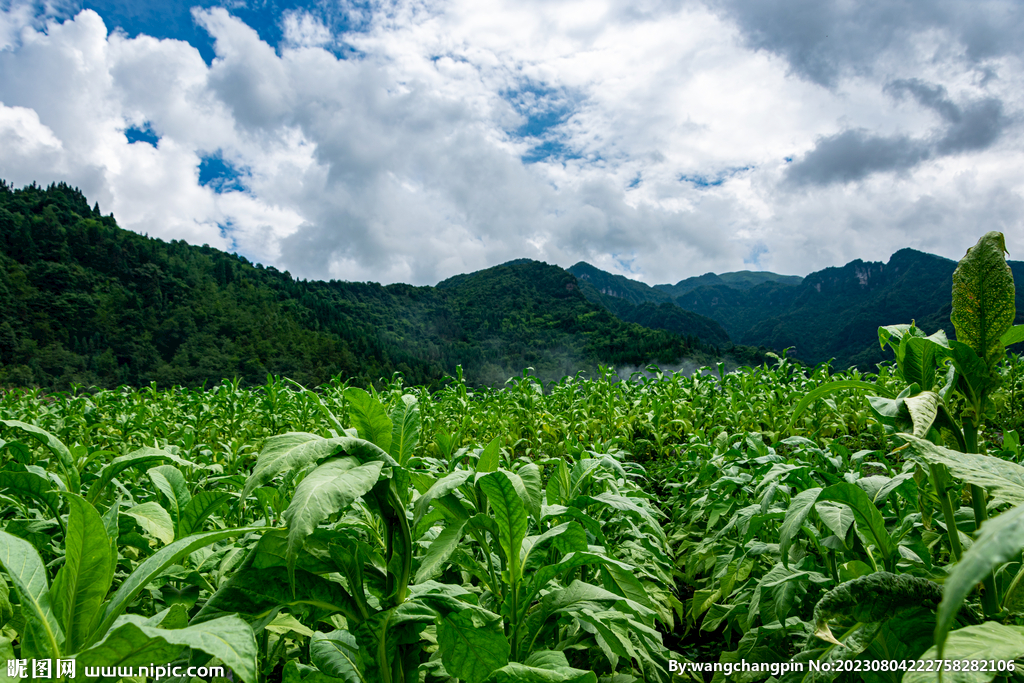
514, 672
295, 450
923, 409
922, 358
202, 505
440, 488
21, 562
31, 485
6, 609
799, 507
154, 520
530, 476
490, 457
1000, 540
84, 579
1003, 480
566, 537
405, 432
154, 565
987, 642
1014, 335
55, 446
328, 489
142, 456
368, 417
510, 515
337, 654
983, 298
135, 641
257, 592
472, 643
441, 548
171, 482
975, 378
869, 519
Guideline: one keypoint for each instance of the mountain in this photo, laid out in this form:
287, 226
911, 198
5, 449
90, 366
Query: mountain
616, 286
742, 279
635, 302
834, 313
85, 302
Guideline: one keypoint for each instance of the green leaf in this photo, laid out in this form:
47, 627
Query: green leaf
869, 519
530, 475
259, 592
328, 489
55, 446
368, 417
142, 456
472, 644
441, 488
337, 654
836, 517
154, 565
135, 641
405, 432
284, 624
985, 642
983, 298
84, 579
620, 580
922, 408
441, 548
171, 482
295, 450
799, 507
922, 358
510, 515
21, 562
1014, 335
154, 520
977, 377
490, 457
825, 389
1000, 540
6, 609
31, 485
1003, 480
521, 673
566, 537
202, 505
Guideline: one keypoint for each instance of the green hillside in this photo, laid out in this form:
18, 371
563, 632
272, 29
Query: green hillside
742, 279
635, 302
83, 301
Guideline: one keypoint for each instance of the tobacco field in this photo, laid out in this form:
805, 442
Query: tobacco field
589, 530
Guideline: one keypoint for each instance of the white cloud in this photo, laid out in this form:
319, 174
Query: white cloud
302, 29
404, 163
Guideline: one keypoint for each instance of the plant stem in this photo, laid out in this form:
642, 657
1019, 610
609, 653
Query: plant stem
939, 483
980, 504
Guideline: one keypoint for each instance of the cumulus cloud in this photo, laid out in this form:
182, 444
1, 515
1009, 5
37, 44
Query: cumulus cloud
824, 40
854, 154
411, 141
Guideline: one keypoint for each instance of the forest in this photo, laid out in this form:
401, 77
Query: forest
84, 302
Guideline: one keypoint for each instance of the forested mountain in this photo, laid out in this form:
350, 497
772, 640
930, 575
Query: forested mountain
742, 279
830, 314
82, 301
635, 302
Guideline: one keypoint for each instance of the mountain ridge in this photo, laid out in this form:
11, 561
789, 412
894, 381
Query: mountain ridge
83, 302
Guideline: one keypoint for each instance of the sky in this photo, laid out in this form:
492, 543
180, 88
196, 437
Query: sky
412, 140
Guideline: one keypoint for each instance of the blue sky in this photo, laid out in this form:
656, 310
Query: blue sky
410, 140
